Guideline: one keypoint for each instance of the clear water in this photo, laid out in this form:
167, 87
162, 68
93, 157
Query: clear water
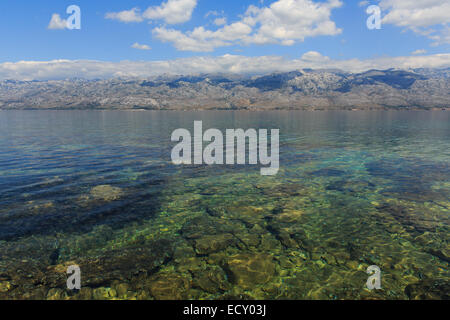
98, 189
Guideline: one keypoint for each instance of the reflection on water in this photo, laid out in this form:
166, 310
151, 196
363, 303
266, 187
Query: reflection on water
97, 189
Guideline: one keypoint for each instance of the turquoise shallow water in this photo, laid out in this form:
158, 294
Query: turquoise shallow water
98, 189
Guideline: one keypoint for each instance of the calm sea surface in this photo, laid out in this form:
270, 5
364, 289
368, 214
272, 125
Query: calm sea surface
97, 189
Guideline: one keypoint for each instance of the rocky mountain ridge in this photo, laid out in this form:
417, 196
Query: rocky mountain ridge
301, 89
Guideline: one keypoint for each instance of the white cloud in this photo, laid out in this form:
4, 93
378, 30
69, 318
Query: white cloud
133, 15
56, 23
140, 46
314, 56
419, 51
202, 40
220, 21
62, 69
425, 17
441, 37
417, 13
363, 3
292, 20
284, 22
171, 11
211, 13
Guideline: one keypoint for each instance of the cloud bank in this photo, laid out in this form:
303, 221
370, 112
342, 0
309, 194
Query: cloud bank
171, 12
63, 69
284, 22
430, 18
127, 16
139, 46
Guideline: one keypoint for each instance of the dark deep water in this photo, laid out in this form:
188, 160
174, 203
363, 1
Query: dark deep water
97, 189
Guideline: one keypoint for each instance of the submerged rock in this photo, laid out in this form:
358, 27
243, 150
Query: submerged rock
5, 286
85, 294
429, 289
126, 263
443, 254
214, 243
202, 226
414, 221
290, 216
104, 293
56, 294
103, 193
106, 193
249, 215
122, 289
54, 256
215, 211
248, 270
211, 280
41, 206
168, 286
248, 240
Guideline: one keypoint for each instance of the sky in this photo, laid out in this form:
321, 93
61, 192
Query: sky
146, 37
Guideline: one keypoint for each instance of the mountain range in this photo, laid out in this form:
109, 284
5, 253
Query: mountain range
301, 89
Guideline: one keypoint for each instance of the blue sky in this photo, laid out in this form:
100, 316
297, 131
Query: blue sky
107, 36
